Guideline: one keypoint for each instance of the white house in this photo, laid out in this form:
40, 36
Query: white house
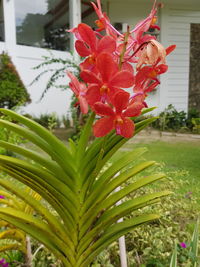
29, 28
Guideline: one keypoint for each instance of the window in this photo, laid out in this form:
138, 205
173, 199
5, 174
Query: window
1, 21
43, 23
88, 15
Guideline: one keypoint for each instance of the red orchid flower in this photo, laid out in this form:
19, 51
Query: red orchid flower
103, 23
109, 80
147, 23
145, 76
79, 90
117, 118
89, 46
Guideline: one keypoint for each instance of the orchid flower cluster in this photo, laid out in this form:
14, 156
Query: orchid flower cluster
114, 62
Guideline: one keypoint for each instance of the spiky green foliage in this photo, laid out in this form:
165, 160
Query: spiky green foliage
75, 182
12, 238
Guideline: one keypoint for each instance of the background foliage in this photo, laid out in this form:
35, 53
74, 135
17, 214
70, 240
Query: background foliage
13, 92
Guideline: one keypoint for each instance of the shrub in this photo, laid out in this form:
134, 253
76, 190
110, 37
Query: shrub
171, 119
49, 121
12, 90
192, 114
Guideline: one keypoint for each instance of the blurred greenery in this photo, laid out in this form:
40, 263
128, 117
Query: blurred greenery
13, 92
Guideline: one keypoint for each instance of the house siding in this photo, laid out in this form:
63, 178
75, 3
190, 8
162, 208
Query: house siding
176, 83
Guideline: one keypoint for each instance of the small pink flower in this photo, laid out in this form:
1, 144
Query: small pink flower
183, 245
1, 197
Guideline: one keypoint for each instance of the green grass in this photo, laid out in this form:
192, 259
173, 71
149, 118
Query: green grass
183, 157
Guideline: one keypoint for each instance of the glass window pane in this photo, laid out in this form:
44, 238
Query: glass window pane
43, 23
1, 22
88, 15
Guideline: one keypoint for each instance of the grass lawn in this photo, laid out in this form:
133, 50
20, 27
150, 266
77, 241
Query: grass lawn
183, 157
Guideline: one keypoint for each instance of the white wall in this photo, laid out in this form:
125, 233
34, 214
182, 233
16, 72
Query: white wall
26, 57
55, 100
176, 22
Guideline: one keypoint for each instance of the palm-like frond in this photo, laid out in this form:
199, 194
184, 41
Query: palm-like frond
81, 192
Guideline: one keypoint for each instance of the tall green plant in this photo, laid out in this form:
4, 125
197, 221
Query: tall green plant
72, 181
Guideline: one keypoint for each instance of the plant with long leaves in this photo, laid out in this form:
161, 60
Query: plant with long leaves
73, 179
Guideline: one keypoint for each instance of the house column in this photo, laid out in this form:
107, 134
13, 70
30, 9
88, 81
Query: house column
74, 19
9, 26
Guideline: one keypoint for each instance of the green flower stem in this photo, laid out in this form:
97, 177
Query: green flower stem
124, 48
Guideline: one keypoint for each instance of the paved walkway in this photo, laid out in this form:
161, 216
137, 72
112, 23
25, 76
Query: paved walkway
149, 135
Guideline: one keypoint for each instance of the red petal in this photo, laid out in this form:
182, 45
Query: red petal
128, 67
82, 49
103, 109
106, 66
74, 84
133, 110
162, 68
123, 79
152, 87
170, 49
120, 100
103, 126
93, 95
106, 44
86, 65
88, 35
89, 77
83, 104
127, 128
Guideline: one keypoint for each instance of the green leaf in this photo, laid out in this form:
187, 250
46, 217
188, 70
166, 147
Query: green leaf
194, 244
13, 234
39, 230
37, 140
104, 186
111, 234
44, 178
173, 262
15, 246
115, 213
102, 205
47, 136
83, 141
30, 180
50, 165
53, 222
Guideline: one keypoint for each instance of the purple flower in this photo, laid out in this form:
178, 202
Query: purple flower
183, 245
1, 197
3, 263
